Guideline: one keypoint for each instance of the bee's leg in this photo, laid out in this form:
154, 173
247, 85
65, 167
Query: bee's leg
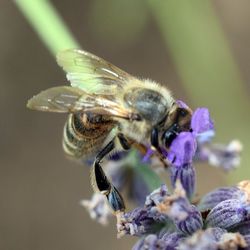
154, 138
102, 183
170, 134
126, 145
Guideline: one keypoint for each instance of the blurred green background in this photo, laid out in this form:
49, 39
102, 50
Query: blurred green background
199, 49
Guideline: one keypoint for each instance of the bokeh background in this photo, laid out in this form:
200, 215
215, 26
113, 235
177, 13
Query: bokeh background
199, 49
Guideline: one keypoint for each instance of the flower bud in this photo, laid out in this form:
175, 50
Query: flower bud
192, 223
227, 214
186, 175
218, 195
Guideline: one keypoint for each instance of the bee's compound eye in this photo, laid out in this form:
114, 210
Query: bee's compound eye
183, 112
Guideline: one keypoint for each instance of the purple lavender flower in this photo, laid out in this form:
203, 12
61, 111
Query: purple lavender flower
183, 149
202, 125
169, 220
181, 155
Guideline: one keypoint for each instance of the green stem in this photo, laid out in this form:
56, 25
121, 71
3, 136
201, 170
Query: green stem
48, 24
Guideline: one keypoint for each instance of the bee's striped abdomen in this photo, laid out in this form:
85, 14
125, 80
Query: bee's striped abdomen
84, 133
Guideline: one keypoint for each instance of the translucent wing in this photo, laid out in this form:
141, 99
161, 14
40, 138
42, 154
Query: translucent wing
91, 73
64, 99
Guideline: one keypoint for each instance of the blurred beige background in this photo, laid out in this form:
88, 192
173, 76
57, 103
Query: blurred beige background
40, 189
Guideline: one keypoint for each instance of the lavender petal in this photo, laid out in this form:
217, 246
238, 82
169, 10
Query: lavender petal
201, 121
182, 149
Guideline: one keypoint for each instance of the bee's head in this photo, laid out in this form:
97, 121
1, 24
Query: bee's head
178, 120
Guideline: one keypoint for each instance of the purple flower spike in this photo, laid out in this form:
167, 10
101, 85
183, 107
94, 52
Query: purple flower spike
182, 149
227, 214
186, 175
202, 125
213, 198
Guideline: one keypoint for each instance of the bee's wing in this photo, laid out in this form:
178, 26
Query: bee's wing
65, 99
91, 73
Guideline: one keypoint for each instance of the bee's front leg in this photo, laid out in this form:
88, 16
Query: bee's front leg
103, 184
154, 138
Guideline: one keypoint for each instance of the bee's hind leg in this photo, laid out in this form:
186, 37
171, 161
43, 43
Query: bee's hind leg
102, 183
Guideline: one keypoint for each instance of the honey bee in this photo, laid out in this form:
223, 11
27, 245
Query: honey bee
110, 109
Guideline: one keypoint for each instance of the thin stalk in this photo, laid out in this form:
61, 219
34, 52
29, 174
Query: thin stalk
48, 24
